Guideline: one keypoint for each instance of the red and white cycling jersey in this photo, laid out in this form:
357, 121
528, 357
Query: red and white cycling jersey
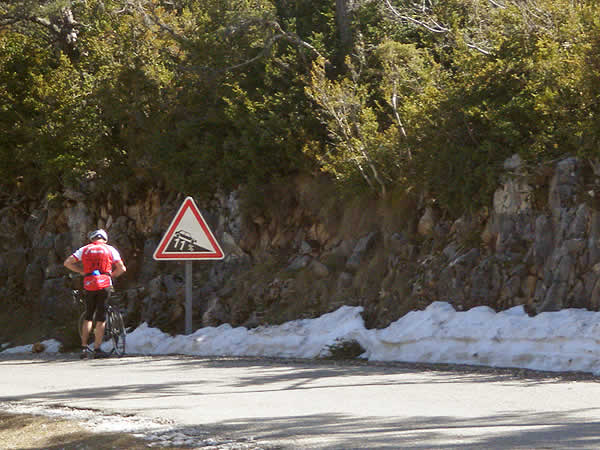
100, 257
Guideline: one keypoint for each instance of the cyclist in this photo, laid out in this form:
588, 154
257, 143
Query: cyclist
99, 263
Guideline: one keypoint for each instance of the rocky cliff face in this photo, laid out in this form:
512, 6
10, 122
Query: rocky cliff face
308, 252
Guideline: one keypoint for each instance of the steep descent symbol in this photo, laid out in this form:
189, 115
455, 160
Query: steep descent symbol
188, 237
184, 242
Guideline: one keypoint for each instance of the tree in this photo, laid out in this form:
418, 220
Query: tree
351, 124
51, 19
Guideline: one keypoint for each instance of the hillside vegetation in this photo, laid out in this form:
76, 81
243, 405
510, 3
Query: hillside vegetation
426, 96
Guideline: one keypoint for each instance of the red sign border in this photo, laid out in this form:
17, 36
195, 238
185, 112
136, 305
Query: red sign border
159, 253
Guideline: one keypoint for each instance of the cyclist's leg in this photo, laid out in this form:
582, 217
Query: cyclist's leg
101, 297
86, 327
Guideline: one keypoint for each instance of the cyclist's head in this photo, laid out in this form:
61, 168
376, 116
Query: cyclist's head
98, 234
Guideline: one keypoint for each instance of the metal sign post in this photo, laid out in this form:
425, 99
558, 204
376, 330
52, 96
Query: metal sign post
188, 238
188, 297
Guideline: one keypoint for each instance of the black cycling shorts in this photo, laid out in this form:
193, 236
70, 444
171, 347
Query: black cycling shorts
94, 302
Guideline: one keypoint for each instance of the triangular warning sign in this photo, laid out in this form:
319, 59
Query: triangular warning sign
188, 236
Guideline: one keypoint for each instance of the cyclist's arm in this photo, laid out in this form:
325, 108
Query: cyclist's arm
119, 268
73, 264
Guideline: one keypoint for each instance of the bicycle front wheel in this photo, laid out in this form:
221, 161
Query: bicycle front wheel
116, 331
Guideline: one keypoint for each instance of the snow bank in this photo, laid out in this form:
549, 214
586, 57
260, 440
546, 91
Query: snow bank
567, 340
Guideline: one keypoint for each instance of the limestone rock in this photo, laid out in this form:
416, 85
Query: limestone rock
427, 222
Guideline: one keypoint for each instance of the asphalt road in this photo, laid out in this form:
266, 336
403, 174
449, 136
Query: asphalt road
301, 404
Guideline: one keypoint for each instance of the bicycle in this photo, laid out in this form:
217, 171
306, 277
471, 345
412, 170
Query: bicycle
114, 331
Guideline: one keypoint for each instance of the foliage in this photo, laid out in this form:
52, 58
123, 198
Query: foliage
356, 144
343, 350
429, 97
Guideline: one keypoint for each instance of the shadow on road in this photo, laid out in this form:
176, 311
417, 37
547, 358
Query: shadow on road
526, 430
522, 429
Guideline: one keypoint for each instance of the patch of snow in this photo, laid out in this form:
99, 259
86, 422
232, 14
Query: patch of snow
566, 340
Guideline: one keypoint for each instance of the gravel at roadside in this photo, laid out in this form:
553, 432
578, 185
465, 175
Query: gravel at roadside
59, 427
20, 431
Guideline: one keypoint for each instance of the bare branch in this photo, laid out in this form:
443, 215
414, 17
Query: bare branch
280, 34
243, 26
433, 26
397, 115
479, 49
497, 4
475, 37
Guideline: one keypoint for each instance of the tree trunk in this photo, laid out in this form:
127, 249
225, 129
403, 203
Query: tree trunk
342, 18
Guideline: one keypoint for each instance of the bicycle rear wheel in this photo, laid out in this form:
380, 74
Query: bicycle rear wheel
115, 330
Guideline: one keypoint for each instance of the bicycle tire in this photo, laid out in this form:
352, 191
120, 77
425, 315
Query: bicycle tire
116, 331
